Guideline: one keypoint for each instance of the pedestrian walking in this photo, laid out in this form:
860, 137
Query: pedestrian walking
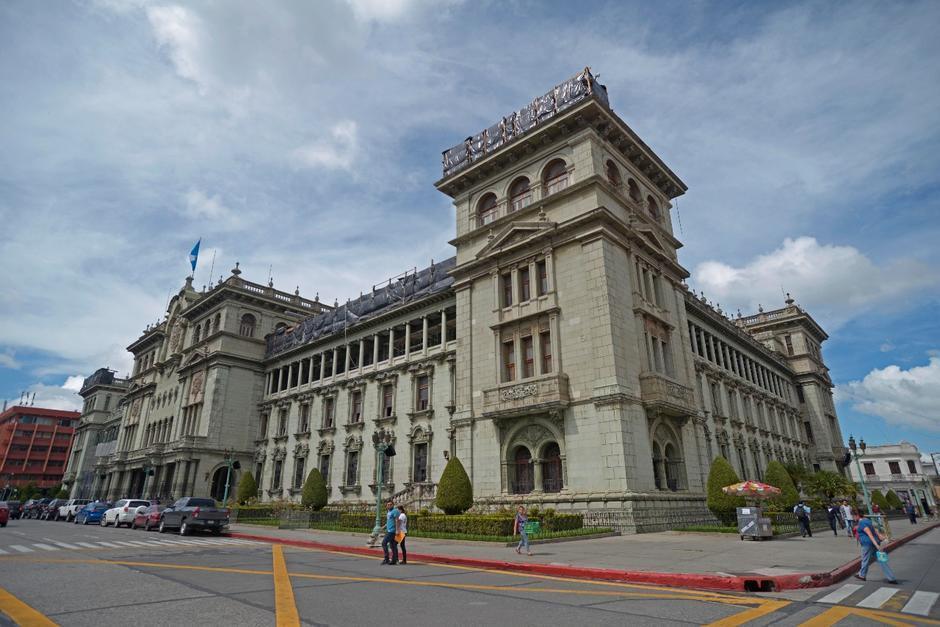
848, 518
391, 528
832, 513
402, 534
518, 526
911, 510
802, 512
870, 540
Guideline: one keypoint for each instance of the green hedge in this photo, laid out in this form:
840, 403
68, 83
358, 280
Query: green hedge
473, 524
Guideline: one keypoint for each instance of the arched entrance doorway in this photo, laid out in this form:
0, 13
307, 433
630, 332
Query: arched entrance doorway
218, 483
522, 477
551, 468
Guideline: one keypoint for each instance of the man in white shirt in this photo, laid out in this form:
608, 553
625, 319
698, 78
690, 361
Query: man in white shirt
847, 517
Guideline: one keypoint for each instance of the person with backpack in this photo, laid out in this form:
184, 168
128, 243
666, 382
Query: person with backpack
802, 512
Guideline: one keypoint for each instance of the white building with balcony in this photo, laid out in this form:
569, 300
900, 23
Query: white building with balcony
896, 467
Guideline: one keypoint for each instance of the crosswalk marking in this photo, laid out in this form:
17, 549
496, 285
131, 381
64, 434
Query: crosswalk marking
841, 594
123, 543
921, 603
87, 545
108, 544
136, 543
21, 548
65, 545
878, 598
55, 545
2, 552
46, 547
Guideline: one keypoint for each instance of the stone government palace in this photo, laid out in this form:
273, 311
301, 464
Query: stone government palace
559, 355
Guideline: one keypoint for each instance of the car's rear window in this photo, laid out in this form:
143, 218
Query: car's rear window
101, 508
200, 503
138, 503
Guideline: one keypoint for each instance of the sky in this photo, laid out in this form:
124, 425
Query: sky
302, 140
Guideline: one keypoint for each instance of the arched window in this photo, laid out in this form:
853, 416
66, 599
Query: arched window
613, 174
634, 191
520, 194
551, 468
197, 334
657, 469
653, 207
673, 462
486, 209
217, 323
247, 326
555, 177
522, 480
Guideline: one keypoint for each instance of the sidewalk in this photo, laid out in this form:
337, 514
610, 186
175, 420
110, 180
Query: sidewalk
709, 560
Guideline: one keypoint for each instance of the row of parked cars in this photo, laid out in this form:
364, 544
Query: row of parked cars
186, 514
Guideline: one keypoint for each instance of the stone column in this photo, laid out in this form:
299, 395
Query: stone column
322, 366
424, 335
333, 365
443, 327
391, 345
346, 359
375, 349
536, 475
407, 338
362, 352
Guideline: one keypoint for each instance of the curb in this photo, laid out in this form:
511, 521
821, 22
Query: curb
708, 581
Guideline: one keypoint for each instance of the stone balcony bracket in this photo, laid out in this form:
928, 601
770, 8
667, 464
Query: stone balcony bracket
661, 394
519, 398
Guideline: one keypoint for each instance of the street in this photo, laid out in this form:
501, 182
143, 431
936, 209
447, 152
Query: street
88, 575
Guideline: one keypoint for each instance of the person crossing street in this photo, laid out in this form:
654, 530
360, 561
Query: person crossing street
391, 529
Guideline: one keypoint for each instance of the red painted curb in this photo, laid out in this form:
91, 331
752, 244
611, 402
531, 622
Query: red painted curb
739, 583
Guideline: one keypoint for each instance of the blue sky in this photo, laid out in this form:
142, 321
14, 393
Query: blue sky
306, 138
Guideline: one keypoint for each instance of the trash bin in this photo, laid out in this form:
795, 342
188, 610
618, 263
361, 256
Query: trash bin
752, 524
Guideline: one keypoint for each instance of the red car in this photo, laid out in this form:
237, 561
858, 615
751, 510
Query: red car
4, 514
147, 517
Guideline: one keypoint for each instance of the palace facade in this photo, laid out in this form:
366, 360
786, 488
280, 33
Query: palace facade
559, 354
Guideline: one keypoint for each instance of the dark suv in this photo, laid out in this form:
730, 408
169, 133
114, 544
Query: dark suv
50, 510
16, 509
34, 509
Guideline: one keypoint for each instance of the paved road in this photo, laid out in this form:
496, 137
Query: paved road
77, 575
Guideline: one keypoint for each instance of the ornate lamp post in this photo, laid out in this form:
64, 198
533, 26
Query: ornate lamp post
382, 440
861, 476
232, 464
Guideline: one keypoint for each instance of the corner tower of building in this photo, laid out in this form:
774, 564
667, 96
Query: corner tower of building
571, 318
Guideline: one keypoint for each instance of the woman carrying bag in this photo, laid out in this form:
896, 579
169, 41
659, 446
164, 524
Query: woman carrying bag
518, 526
402, 534
871, 547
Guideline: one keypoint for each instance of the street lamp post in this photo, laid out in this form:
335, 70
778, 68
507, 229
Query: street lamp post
232, 465
382, 440
861, 476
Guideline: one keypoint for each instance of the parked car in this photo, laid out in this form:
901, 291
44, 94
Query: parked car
68, 509
16, 509
148, 517
123, 512
192, 513
4, 513
91, 513
51, 509
35, 508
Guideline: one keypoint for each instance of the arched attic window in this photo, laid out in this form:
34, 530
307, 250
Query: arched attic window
634, 191
520, 194
486, 209
613, 174
555, 177
247, 326
653, 207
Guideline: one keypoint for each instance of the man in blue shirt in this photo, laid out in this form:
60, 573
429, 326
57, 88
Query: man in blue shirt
802, 512
869, 538
391, 528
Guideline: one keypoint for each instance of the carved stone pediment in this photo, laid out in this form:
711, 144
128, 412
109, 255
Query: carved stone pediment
514, 235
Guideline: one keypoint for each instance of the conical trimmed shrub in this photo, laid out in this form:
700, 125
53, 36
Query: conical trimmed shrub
723, 506
454, 491
314, 495
778, 477
247, 488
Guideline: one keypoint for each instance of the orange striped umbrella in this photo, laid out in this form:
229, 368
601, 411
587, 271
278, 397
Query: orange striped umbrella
751, 488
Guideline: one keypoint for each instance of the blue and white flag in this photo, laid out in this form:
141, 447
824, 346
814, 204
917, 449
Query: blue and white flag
194, 254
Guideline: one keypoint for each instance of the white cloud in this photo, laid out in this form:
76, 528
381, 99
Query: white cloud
886, 347
834, 283
178, 30
54, 396
336, 151
901, 397
8, 360
74, 383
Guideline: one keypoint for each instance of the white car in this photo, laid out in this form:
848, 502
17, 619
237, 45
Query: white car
123, 512
67, 512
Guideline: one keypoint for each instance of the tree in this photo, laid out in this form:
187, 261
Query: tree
827, 485
247, 488
62, 494
778, 477
798, 474
723, 506
454, 491
894, 501
877, 498
313, 495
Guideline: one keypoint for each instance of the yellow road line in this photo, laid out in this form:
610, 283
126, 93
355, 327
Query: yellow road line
284, 604
835, 614
830, 617
766, 607
22, 614
703, 594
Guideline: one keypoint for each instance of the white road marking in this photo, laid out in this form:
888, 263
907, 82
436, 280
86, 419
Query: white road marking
46, 547
113, 546
20, 548
878, 598
840, 594
87, 545
921, 603
65, 545
137, 543
2, 552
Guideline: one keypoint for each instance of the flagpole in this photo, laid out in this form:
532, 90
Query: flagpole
211, 266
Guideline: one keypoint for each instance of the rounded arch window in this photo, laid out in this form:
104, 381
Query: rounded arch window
653, 207
555, 176
657, 469
216, 323
197, 334
551, 468
522, 481
672, 460
520, 194
634, 191
486, 209
613, 173
247, 325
